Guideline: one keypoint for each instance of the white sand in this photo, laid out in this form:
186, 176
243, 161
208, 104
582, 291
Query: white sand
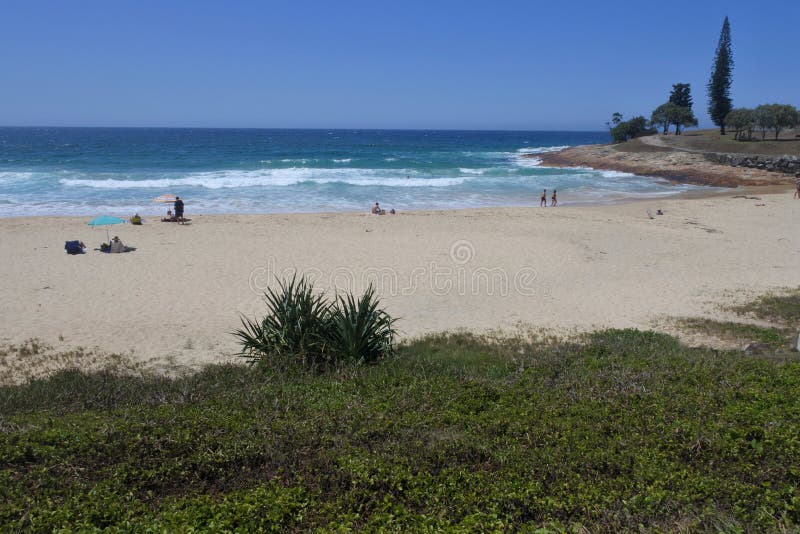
180, 294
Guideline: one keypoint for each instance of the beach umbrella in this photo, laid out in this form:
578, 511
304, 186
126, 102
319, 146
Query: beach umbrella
165, 199
105, 220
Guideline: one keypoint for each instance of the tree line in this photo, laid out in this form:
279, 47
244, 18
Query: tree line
677, 111
766, 117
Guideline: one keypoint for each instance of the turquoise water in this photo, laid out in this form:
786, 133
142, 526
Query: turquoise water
88, 171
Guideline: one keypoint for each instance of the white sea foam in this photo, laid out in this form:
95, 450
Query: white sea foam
343, 160
478, 172
541, 149
616, 174
486, 155
389, 159
525, 162
272, 178
11, 177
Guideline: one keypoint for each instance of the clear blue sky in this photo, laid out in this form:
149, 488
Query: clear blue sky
379, 64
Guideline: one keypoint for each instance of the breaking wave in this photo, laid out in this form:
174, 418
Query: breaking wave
230, 179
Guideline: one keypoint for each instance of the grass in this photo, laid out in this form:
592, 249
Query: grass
32, 359
741, 333
779, 314
781, 308
712, 141
624, 430
638, 147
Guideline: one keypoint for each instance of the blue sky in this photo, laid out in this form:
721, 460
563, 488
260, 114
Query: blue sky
378, 64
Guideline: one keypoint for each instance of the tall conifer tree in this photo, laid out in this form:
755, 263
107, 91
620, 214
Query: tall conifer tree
719, 85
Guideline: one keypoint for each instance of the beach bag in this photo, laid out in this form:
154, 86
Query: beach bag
73, 247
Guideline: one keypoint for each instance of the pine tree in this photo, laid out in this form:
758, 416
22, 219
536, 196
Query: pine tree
719, 85
681, 95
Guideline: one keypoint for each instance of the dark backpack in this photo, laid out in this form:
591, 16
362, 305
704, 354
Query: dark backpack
73, 247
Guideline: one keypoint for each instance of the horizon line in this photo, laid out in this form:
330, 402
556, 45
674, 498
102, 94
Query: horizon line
306, 128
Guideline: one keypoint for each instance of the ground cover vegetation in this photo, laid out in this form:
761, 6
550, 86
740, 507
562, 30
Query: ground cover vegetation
614, 430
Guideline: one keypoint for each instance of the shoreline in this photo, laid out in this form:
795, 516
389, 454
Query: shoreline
708, 191
175, 300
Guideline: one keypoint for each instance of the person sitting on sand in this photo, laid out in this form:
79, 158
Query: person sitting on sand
553, 200
117, 246
136, 220
169, 217
543, 203
376, 210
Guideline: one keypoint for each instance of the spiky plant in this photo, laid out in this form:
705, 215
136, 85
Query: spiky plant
361, 331
296, 324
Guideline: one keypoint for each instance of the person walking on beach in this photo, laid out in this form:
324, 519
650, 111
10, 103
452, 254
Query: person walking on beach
179, 209
543, 203
553, 200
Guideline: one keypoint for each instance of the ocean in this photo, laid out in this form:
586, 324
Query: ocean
119, 171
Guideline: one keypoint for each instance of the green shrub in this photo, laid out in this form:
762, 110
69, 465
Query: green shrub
360, 330
296, 324
303, 325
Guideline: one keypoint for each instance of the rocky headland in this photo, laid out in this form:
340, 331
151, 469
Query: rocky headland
702, 168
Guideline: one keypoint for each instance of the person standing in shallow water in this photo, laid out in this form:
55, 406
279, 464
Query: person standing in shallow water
543, 203
553, 199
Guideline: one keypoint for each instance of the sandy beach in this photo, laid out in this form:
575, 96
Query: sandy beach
179, 295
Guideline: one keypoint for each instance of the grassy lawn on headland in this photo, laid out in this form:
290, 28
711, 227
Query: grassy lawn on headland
624, 430
712, 141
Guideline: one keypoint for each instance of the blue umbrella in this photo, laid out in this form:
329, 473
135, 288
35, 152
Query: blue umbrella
106, 220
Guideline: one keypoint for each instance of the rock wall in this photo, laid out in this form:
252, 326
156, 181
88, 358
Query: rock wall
784, 164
